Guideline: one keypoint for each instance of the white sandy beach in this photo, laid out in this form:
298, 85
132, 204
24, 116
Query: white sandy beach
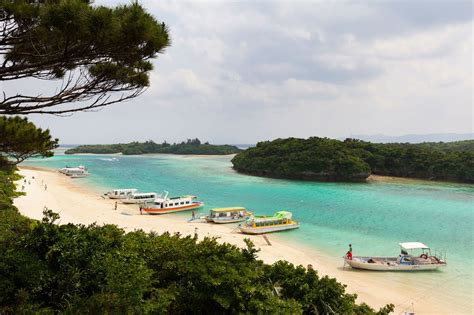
77, 203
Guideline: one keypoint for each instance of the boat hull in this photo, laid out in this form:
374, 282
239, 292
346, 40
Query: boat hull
157, 211
267, 229
225, 221
78, 175
389, 264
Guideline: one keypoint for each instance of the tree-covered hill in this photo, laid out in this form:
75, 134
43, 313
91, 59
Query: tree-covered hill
191, 146
458, 146
354, 160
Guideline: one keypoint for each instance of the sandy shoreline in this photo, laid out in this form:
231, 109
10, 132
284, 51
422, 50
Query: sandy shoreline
77, 203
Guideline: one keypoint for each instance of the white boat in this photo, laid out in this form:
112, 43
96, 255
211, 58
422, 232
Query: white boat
413, 256
227, 215
74, 172
137, 198
280, 221
164, 204
120, 193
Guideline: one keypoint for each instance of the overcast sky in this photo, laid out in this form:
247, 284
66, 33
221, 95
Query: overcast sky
240, 72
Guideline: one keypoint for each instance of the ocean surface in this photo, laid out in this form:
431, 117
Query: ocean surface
374, 217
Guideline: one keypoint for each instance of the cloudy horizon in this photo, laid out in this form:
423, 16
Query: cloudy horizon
242, 72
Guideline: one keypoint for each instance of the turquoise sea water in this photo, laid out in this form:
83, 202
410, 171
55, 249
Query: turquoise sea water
374, 217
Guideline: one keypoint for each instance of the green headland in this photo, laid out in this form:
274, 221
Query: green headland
324, 159
191, 146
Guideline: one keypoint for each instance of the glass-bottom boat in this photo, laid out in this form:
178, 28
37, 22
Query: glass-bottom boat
280, 221
165, 204
227, 215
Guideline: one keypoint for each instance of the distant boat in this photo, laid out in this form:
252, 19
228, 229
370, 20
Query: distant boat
74, 172
227, 215
280, 221
164, 204
137, 198
419, 258
121, 193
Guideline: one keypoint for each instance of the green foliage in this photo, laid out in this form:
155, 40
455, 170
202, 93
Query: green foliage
98, 51
313, 159
21, 139
434, 161
49, 268
353, 160
191, 146
458, 146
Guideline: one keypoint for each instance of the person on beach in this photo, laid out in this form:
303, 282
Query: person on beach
193, 215
45, 187
195, 232
116, 205
349, 252
141, 209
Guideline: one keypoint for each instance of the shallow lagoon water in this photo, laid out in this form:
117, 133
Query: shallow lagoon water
374, 217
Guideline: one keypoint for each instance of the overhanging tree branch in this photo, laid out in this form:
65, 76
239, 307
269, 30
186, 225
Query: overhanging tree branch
100, 55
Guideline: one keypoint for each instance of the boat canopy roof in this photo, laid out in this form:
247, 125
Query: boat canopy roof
125, 189
180, 197
279, 215
413, 245
283, 214
228, 209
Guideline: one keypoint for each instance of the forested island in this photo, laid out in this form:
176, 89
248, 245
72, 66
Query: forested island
324, 159
191, 146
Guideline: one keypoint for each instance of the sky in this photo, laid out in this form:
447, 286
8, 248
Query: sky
246, 71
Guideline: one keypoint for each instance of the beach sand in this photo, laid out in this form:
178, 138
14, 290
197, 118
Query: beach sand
77, 203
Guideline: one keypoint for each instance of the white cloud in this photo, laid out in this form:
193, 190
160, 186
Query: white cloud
242, 71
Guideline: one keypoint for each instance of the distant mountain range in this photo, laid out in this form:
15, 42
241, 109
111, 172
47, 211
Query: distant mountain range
434, 137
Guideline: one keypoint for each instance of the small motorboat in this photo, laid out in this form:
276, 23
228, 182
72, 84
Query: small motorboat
413, 256
75, 172
227, 215
164, 204
139, 198
280, 221
121, 193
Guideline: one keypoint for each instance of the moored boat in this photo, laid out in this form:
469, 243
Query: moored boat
137, 198
74, 172
280, 221
413, 256
121, 193
164, 204
227, 215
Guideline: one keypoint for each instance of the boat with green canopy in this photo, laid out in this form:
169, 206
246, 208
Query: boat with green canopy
280, 221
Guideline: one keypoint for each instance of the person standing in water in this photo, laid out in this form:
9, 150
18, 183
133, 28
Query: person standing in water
193, 215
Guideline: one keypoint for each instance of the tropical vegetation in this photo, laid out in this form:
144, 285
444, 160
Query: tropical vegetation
97, 55
354, 160
49, 268
191, 146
